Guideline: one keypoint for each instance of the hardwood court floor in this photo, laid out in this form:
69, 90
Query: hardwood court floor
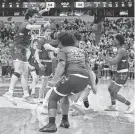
18, 120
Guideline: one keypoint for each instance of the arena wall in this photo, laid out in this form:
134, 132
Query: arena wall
19, 19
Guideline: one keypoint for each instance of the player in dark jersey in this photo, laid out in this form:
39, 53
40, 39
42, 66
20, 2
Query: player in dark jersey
33, 67
71, 76
19, 54
121, 76
44, 57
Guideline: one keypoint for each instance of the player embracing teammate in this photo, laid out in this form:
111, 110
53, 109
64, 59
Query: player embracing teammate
20, 52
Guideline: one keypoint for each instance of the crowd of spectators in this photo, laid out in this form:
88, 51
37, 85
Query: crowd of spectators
109, 29
7, 30
7, 33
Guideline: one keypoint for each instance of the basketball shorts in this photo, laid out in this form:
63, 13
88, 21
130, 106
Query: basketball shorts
37, 69
18, 54
71, 84
120, 78
47, 69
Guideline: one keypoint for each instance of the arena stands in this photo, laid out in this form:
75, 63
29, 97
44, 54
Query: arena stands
99, 40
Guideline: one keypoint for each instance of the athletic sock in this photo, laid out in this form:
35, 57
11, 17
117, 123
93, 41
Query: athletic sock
127, 103
51, 120
113, 102
10, 91
65, 117
86, 104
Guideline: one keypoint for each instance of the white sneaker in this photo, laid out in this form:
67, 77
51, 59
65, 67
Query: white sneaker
79, 107
74, 113
130, 110
9, 97
42, 110
112, 108
28, 99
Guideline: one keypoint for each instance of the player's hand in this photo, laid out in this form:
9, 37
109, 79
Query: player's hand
41, 66
47, 46
51, 83
31, 67
56, 50
94, 89
47, 9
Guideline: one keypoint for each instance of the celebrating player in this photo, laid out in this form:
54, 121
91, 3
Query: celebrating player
71, 76
20, 53
121, 76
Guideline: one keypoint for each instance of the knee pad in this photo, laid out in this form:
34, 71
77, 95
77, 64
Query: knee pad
17, 74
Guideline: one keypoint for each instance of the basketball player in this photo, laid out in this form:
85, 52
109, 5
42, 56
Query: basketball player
83, 97
71, 75
45, 58
121, 76
34, 67
20, 53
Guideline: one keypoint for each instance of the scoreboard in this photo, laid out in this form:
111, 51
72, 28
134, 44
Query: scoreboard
67, 4
11, 5
102, 4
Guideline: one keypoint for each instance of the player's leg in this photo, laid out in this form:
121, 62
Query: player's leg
24, 81
63, 88
83, 99
14, 79
65, 101
43, 90
52, 112
65, 109
34, 82
45, 75
113, 106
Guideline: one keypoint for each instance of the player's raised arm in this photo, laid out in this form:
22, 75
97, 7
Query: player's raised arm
116, 59
44, 10
33, 27
47, 46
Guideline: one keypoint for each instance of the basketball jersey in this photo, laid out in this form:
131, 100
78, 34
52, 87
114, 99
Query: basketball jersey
44, 54
123, 63
32, 61
22, 38
75, 60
